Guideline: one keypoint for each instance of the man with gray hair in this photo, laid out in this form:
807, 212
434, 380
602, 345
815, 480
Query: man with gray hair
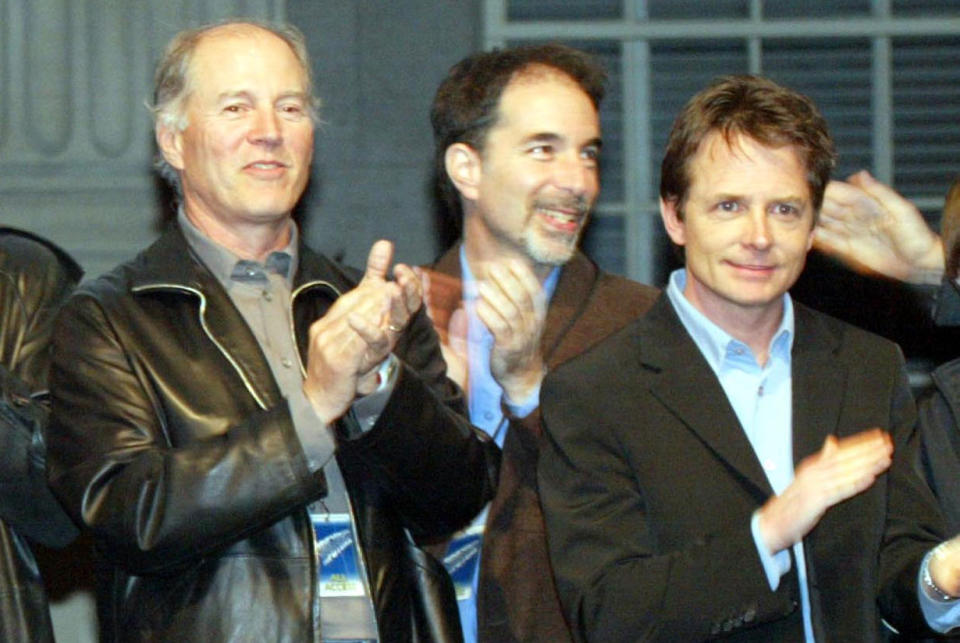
255, 435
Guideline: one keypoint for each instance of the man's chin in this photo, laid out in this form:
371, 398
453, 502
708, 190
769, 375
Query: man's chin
553, 260
553, 254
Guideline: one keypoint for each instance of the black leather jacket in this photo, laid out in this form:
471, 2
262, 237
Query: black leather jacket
35, 278
171, 442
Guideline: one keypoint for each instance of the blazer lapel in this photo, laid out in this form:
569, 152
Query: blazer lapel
570, 299
688, 387
819, 384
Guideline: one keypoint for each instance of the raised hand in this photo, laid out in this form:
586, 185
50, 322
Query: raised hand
840, 470
872, 228
513, 306
349, 343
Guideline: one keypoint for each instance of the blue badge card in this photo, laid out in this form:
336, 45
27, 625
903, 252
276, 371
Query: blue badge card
462, 559
339, 565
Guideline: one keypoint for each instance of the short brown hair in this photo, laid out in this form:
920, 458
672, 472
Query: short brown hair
755, 107
466, 104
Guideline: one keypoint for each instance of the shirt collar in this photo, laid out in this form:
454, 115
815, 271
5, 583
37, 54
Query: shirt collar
714, 342
226, 266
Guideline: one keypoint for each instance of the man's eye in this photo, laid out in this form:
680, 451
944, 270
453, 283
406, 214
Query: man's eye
590, 154
728, 206
786, 210
541, 150
291, 109
234, 108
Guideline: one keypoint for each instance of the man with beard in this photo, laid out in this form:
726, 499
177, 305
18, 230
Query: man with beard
517, 145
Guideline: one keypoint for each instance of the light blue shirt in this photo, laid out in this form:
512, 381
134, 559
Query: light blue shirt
761, 397
484, 403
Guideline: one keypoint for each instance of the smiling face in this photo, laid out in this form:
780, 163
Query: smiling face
244, 156
746, 227
536, 178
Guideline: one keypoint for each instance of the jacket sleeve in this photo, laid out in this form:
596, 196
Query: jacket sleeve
914, 523
939, 431
152, 502
436, 468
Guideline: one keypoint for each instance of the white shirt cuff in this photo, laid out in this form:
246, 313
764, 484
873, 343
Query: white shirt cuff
774, 565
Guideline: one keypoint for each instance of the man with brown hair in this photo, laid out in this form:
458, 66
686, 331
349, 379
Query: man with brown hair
735, 464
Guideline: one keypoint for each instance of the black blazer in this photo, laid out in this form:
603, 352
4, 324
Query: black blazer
648, 484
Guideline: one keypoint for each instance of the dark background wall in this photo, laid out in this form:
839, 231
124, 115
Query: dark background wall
378, 65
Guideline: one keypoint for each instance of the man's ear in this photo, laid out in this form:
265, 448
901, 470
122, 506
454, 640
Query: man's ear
464, 168
673, 222
170, 143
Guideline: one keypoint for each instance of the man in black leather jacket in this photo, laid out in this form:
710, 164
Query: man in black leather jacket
224, 398
35, 278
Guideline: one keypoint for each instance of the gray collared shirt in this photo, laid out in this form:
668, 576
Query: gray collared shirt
264, 301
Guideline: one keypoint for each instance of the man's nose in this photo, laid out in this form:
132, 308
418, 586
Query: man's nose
576, 176
266, 128
757, 232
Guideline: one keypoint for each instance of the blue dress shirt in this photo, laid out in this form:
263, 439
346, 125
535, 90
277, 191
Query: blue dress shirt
762, 398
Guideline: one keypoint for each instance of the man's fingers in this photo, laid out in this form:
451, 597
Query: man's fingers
881, 192
837, 199
517, 282
861, 450
410, 287
532, 289
492, 318
497, 303
871, 438
379, 260
829, 445
376, 340
847, 466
